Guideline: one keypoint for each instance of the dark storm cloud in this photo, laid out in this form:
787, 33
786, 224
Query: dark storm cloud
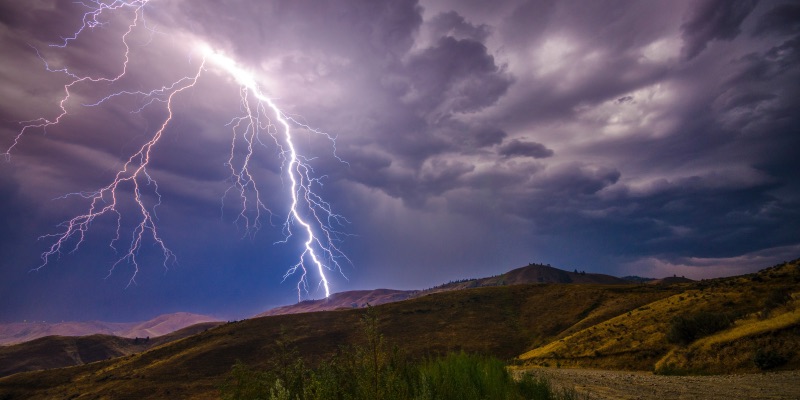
475, 137
713, 20
454, 25
488, 137
700, 217
781, 19
454, 75
527, 149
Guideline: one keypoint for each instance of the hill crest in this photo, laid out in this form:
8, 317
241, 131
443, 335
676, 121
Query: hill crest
19, 332
530, 274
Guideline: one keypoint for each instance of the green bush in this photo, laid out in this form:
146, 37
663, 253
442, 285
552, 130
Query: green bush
465, 376
685, 329
245, 383
372, 371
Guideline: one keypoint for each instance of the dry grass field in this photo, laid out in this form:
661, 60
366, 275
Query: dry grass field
638, 339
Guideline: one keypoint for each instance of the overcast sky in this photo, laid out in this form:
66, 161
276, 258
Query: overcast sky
620, 137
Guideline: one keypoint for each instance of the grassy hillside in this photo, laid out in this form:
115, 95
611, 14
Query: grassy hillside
63, 351
501, 321
745, 324
532, 273
751, 315
19, 332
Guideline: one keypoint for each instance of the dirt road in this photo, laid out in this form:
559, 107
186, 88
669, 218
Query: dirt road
600, 384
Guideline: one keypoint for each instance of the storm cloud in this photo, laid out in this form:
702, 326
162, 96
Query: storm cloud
471, 138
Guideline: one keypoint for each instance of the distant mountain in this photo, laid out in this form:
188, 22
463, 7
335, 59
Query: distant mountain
653, 281
532, 273
637, 279
537, 273
18, 332
164, 324
671, 280
65, 351
349, 299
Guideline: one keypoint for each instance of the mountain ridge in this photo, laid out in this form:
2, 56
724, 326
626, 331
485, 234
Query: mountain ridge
19, 332
530, 274
54, 351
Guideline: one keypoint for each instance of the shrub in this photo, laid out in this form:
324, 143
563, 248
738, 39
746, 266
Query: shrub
245, 383
685, 329
464, 376
768, 359
775, 299
671, 370
371, 371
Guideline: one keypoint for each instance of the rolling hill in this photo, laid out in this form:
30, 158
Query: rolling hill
503, 321
532, 273
617, 326
63, 351
712, 326
18, 332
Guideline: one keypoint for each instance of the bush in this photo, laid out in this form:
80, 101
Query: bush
673, 370
465, 376
685, 329
372, 371
775, 299
245, 383
768, 359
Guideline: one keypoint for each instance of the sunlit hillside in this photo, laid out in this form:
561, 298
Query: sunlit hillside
755, 316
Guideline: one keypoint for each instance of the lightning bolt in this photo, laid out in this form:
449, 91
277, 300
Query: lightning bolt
309, 215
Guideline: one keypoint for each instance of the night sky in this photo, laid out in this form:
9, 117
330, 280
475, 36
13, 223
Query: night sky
622, 137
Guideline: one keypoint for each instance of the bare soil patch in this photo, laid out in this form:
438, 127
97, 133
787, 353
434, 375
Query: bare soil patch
604, 384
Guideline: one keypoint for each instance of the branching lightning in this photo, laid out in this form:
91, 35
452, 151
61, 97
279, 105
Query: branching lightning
309, 216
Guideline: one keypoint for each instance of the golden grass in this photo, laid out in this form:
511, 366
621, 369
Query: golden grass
637, 340
734, 349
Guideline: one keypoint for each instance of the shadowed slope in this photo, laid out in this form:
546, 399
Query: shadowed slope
18, 332
63, 351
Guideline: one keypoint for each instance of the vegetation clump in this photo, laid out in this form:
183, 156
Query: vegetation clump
685, 329
373, 371
768, 359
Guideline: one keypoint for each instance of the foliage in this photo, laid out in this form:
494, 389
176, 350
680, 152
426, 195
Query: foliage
777, 297
671, 369
685, 329
245, 383
768, 359
464, 376
373, 371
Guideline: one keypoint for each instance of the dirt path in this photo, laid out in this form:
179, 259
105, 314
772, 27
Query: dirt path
600, 384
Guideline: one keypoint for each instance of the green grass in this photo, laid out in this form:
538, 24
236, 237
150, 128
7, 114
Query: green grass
458, 376
371, 370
